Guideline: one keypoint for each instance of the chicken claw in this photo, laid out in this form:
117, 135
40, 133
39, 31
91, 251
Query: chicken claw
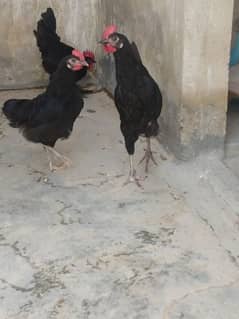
132, 175
65, 161
148, 156
133, 179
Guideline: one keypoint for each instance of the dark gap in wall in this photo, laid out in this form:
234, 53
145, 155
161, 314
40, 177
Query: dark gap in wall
232, 134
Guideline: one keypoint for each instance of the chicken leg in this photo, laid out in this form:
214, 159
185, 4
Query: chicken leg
132, 174
66, 162
48, 157
148, 156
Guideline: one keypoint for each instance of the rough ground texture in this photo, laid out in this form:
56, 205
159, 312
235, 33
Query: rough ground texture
77, 245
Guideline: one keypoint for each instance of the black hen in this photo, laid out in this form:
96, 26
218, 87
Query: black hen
52, 49
51, 115
137, 96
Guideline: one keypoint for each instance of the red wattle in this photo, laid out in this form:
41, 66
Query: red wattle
109, 49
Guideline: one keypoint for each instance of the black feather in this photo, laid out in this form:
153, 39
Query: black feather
49, 116
137, 96
50, 45
136, 52
49, 19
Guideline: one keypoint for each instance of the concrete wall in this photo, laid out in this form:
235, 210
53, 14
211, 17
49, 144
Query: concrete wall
20, 62
235, 23
207, 37
185, 46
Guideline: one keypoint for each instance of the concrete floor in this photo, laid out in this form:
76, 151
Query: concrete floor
76, 244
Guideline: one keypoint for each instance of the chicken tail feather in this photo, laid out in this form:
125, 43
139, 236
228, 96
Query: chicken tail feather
46, 31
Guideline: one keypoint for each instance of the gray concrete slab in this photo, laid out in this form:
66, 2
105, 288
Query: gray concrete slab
76, 244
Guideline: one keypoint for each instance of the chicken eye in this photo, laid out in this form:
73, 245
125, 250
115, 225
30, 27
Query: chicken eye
114, 38
73, 60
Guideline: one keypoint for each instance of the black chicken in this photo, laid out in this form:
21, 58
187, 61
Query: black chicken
137, 96
52, 49
51, 115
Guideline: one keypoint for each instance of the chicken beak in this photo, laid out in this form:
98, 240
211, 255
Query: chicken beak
104, 41
84, 63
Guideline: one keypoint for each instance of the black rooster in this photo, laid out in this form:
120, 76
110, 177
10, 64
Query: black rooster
137, 96
50, 116
52, 49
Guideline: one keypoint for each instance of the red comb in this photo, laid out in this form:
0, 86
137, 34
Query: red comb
109, 30
89, 54
78, 54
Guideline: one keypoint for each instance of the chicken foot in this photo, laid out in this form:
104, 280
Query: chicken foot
148, 156
66, 162
132, 174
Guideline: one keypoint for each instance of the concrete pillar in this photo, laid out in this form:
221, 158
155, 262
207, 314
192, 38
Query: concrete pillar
203, 105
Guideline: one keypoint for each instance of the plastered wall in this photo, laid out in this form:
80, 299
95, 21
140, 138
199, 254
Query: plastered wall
20, 62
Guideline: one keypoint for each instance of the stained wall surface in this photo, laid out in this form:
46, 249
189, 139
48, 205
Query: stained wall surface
20, 62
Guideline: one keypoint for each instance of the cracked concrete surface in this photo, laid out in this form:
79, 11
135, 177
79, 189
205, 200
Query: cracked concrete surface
76, 244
